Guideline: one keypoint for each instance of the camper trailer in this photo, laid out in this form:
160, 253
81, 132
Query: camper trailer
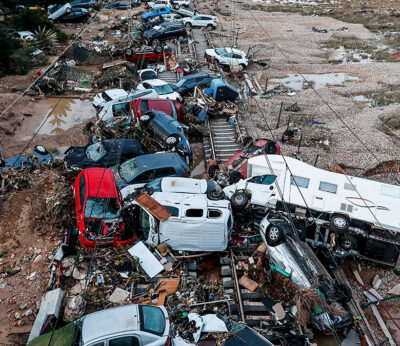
363, 215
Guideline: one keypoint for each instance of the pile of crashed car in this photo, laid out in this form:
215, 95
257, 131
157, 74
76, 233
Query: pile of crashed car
152, 228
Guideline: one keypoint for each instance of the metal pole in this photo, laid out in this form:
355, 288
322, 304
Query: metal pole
266, 86
237, 288
316, 160
298, 147
279, 116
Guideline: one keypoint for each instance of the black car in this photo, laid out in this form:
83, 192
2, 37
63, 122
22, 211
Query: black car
167, 133
122, 5
164, 32
105, 153
187, 83
76, 15
84, 3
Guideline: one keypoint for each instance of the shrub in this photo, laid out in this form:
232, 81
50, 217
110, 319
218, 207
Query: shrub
7, 46
20, 61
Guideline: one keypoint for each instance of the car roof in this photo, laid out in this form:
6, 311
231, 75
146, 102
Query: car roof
110, 322
183, 185
100, 183
189, 76
116, 93
125, 145
155, 82
25, 33
159, 160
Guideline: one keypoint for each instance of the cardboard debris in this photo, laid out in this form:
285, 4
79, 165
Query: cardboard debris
250, 284
118, 296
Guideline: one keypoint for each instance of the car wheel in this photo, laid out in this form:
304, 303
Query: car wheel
128, 52
180, 38
156, 42
2, 163
210, 27
145, 119
158, 49
188, 26
68, 10
270, 148
41, 150
247, 141
212, 170
177, 6
215, 195
171, 140
274, 235
348, 242
234, 177
239, 200
243, 66
339, 222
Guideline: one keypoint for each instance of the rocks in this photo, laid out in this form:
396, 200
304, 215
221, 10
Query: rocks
37, 259
376, 282
79, 274
17, 315
77, 289
27, 313
31, 277
23, 306
3, 284
118, 296
395, 290
74, 308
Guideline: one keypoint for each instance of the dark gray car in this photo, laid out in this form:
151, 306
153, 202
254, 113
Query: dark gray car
146, 168
187, 83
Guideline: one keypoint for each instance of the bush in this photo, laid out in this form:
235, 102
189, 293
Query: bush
62, 37
7, 47
20, 61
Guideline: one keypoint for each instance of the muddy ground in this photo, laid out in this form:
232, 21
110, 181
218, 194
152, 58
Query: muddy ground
27, 241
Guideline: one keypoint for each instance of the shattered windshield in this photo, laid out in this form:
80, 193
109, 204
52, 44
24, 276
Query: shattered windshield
106, 97
129, 170
221, 51
163, 89
102, 208
96, 151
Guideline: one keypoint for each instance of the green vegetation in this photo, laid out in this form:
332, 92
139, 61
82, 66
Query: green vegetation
61, 337
392, 121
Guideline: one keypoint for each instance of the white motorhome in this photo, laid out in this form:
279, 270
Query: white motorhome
193, 222
344, 204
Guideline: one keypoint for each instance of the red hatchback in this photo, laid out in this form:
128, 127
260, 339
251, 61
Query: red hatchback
140, 106
98, 205
146, 54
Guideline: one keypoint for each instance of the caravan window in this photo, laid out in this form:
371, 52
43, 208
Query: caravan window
300, 181
214, 213
194, 213
327, 187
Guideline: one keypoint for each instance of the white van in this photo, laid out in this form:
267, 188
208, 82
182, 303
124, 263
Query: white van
193, 222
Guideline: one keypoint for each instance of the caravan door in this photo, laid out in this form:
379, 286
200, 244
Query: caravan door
262, 187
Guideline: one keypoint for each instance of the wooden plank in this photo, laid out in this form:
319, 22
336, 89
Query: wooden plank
112, 64
153, 207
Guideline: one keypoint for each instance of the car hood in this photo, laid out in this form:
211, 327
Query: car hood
151, 32
211, 52
76, 156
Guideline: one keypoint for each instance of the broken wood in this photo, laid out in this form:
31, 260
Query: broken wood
248, 283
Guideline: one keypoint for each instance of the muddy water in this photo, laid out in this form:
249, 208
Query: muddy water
59, 115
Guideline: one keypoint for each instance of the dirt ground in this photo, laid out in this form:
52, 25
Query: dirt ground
21, 226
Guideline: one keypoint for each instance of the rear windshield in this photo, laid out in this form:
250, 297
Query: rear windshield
148, 75
152, 319
129, 170
221, 51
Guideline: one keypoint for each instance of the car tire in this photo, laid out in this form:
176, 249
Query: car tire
273, 235
41, 150
270, 148
212, 170
239, 200
345, 294
158, 49
215, 195
2, 163
172, 140
68, 10
339, 222
247, 140
234, 177
128, 52
348, 242
188, 26
145, 119
243, 66
210, 27
177, 6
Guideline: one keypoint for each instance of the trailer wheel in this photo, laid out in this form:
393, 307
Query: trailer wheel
339, 222
234, 177
274, 235
215, 195
348, 242
239, 200
212, 170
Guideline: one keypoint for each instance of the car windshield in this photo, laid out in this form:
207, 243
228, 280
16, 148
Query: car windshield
129, 170
102, 208
163, 89
96, 151
221, 51
152, 319
148, 75
155, 185
105, 96
144, 220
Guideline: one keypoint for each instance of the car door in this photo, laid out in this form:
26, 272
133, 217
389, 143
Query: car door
130, 340
196, 21
261, 187
227, 58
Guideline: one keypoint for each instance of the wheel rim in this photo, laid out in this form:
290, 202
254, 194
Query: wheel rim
347, 244
40, 149
171, 140
239, 199
145, 118
274, 233
339, 222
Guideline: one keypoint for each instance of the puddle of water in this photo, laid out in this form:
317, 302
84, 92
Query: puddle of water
296, 82
351, 58
287, 2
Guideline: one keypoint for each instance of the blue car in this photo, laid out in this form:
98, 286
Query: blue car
84, 3
145, 168
157, 11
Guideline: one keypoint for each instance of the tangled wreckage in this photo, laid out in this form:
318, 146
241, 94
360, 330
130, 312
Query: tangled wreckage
248, 252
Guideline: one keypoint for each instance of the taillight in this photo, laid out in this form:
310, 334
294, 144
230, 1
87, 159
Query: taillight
187, 174
168, 342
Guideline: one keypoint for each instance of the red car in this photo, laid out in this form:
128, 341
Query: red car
147, 54
98, 205
141, 106
237, 164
